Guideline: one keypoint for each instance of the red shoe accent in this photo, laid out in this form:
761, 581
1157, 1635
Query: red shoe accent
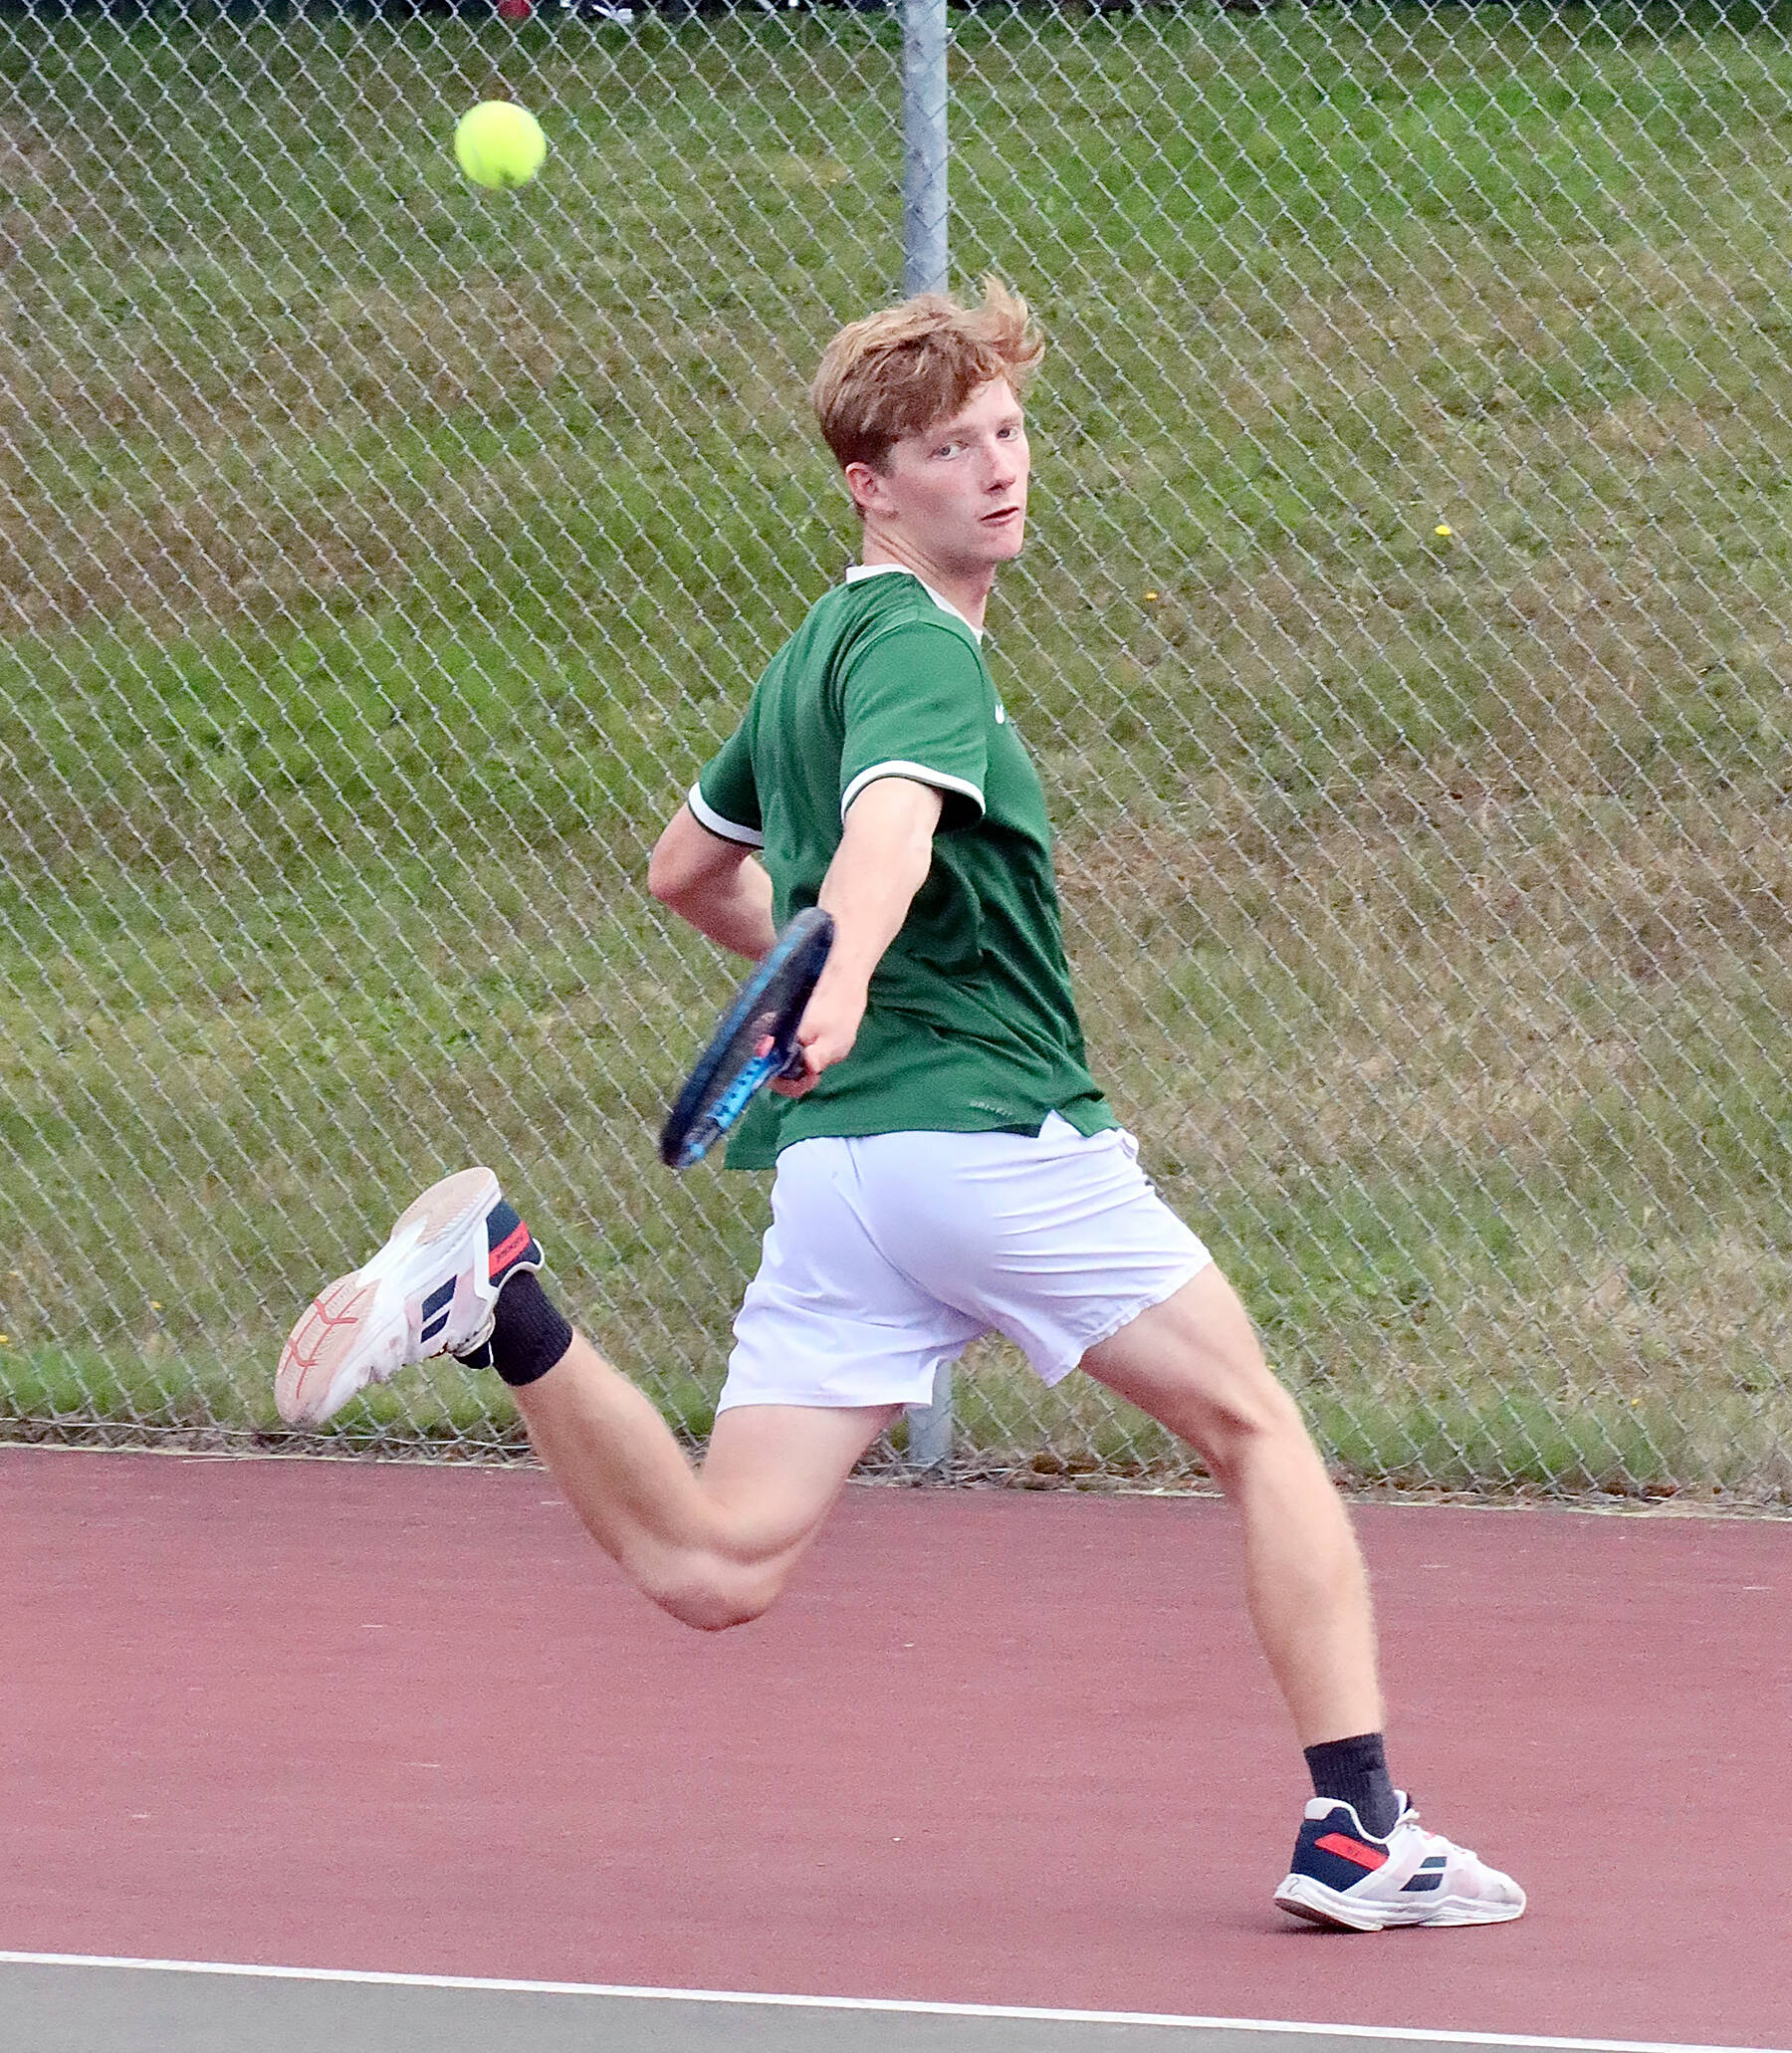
1370, 1856
509, 1248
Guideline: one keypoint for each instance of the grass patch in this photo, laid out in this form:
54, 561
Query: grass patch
380, 557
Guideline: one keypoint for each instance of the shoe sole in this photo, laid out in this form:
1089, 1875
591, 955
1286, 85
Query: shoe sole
1302, 1897
354, 1333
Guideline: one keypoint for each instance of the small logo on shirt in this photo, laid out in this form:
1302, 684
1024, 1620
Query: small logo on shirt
1000, 711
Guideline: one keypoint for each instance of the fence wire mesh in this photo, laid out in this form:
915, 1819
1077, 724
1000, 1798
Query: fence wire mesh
1404, 641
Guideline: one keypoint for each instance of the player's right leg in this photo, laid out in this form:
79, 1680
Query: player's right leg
428, 1292
831, 1342
713, 1547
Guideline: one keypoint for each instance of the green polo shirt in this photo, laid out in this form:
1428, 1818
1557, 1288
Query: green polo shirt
971, 1025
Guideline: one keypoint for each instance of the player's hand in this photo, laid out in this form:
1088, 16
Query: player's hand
829, 1028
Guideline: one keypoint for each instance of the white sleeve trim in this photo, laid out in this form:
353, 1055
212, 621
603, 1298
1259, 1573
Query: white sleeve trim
730, 830
919, 773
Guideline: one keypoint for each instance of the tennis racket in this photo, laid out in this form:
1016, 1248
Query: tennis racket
754, 1042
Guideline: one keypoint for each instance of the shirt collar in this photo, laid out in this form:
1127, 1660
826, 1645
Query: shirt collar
856, 571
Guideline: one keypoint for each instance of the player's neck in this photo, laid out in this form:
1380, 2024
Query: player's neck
967, 591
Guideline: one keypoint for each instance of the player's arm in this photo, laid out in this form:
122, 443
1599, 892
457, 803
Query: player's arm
883, 858
716, 885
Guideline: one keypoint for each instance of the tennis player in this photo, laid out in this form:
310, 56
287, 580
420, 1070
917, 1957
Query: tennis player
946, 1164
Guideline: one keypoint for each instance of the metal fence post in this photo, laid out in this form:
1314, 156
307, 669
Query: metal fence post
924, 36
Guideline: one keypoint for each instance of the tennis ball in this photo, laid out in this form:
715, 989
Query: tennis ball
499, 144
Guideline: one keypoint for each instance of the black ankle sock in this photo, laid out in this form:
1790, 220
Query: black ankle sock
529, 1335
1355, 1772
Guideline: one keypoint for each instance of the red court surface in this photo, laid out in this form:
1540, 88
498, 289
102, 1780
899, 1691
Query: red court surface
993, 1748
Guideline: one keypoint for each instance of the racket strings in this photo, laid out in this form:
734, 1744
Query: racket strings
756, 1041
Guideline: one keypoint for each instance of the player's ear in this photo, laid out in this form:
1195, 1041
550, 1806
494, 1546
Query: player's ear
867, 486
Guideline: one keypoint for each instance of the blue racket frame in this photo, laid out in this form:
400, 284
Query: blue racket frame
711, 1099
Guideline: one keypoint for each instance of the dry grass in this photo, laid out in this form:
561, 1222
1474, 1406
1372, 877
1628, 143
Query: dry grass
380, 559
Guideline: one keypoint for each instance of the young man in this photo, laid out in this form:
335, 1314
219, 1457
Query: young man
946, 1165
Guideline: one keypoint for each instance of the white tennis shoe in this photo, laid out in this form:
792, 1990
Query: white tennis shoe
428, 1292
1345, 1877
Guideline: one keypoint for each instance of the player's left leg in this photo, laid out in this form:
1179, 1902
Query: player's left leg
1193, 1363
1058, 1240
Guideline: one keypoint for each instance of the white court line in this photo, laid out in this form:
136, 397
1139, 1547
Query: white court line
867, 2003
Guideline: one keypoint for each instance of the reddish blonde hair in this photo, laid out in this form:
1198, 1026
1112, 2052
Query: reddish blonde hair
899, 370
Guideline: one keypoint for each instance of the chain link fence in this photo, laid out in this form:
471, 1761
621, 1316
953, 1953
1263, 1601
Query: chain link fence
1404, 641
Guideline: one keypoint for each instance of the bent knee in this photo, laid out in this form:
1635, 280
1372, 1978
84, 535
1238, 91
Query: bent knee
710, 1594
711, 1611
1234, 1427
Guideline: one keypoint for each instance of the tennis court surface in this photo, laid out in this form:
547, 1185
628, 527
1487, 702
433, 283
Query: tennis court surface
401, 1728
138, 2006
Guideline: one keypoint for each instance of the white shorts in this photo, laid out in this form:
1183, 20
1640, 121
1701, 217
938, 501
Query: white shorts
887, 1257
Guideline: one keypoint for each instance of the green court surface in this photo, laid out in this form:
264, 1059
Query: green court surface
66, 2004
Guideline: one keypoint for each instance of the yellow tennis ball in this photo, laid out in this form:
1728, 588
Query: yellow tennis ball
499, 144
